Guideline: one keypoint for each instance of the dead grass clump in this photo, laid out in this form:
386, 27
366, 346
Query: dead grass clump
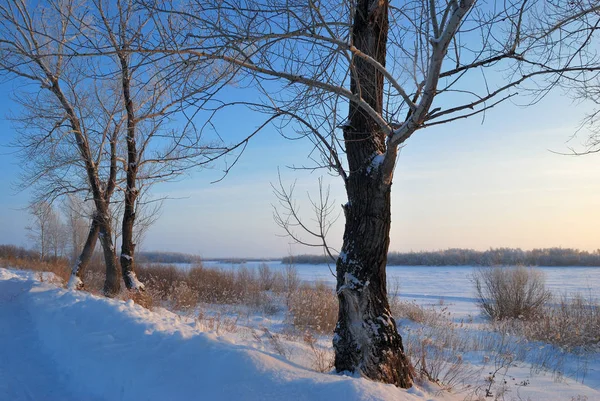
162, 279
570, 322
510, 292
313, 307
60, 267
185, 289
217, 322
430, 316
323, 358
215, 286
435, 345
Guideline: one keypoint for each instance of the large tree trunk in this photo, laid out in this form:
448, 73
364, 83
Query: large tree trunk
131, 193
366, 338
76, 280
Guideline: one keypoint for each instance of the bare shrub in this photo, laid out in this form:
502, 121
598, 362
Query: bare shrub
510, 292
214, 286
183, 296
572, 322
266, 277
278, 286
313, 308
162, 279
291, 280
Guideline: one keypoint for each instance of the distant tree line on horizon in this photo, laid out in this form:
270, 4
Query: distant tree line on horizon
470, 257
447, 257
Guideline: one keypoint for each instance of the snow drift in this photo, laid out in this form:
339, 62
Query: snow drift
108, 349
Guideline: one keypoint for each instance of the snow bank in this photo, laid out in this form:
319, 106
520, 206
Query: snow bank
114, 350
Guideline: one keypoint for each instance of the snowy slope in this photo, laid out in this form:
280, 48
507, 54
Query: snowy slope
66, 345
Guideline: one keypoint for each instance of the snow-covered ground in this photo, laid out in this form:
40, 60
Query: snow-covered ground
57, 344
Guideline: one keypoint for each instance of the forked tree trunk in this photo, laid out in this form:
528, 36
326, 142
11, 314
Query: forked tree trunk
112, 282
101, 197
76, 280
366, 338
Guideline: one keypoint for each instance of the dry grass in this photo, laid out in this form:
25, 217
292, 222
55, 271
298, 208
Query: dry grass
435, 347
59, 267
323, 358
313, 307
183, 290
510, 292
569, 322
430, 316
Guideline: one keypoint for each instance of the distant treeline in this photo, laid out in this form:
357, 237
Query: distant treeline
176, 257
470, 257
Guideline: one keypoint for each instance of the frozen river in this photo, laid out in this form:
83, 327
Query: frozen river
450, 285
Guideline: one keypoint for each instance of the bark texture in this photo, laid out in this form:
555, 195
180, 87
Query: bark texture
131, 192
366, 337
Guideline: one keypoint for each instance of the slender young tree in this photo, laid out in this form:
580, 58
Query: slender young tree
39, 231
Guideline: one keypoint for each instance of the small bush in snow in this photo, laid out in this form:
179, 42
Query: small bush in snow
314, 307
266, 277
510, 292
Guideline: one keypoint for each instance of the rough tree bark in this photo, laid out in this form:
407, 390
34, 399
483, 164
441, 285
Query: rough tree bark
131, 192
366, 338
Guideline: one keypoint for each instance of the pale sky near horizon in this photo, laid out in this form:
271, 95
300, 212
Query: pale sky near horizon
464, 184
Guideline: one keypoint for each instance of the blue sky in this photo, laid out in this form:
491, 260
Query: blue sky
465, 184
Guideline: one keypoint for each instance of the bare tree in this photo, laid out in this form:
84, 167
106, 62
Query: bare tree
58, 235
39, 230
375, 73
47, 230
109, 96
78, 214
32, 48
151, 95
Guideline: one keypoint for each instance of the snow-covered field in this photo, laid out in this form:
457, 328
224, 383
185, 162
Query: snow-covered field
57, 344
